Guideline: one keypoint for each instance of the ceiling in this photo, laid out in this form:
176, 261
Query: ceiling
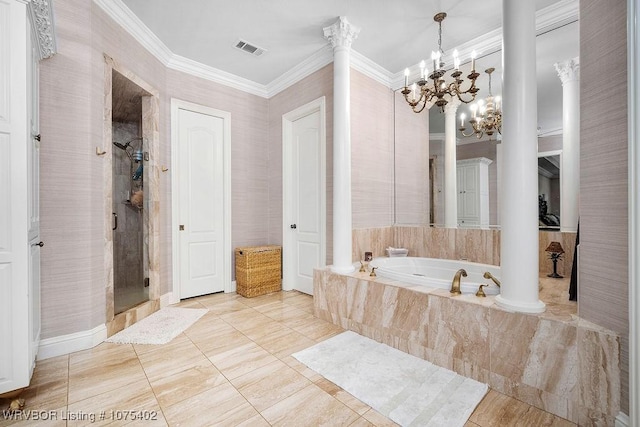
394, 33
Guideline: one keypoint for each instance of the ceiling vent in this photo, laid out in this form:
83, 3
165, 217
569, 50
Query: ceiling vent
250, 48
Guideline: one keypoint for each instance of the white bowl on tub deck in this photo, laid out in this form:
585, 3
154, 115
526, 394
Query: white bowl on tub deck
397, 252
437, 273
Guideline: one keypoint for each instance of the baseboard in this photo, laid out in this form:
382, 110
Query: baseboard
168, 299
65, 344
622, 420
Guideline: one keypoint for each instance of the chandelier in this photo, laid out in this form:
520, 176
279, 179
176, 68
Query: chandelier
433, 87
484, 118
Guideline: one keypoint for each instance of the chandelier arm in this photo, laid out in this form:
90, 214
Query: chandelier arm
454, 90
422, 100
464, 134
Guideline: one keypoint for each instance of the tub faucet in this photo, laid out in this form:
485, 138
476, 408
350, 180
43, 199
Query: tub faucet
455, 285
488, 275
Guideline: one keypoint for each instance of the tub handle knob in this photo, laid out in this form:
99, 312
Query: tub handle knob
373, 272
362, 269
480, 292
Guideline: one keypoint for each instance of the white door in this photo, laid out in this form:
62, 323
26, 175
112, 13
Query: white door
305, 210
201, 203
19, 216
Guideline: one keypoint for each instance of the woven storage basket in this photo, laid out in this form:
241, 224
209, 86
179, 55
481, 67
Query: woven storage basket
258, 270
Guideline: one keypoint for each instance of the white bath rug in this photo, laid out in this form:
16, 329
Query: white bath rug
404, 388
160, 327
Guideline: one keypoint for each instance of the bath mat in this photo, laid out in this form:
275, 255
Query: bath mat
160, 327
404, 388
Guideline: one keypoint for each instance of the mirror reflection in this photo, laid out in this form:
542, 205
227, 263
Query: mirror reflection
420, 197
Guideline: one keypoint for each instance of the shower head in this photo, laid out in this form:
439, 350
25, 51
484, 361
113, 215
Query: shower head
137, 138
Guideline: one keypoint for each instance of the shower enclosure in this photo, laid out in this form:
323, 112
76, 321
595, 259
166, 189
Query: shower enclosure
130, 251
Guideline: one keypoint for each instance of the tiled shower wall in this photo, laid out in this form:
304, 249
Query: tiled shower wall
128, 237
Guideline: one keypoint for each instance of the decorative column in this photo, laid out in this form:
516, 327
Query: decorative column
341, 35
569, 73
450, 168
519, 183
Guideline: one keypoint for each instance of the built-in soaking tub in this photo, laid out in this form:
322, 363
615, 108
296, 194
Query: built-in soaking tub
437, 273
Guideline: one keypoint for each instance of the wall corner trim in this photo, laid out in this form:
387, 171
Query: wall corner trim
65, 344
168, 299
622, 420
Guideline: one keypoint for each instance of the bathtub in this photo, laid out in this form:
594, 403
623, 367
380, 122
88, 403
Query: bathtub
437, 273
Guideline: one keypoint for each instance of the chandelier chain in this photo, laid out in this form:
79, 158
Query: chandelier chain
440, 38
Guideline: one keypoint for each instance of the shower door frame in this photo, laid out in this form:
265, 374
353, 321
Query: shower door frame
151, 213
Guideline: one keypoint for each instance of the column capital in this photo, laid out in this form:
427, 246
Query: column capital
568, 70
342, 33
452, 106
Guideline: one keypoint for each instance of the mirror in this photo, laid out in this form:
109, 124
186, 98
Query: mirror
419, 195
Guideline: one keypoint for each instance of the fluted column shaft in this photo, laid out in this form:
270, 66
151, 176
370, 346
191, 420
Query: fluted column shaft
341, 35
450, 167
569, 73
519, 201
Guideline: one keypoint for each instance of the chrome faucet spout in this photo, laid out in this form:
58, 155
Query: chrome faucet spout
455, 284
488, 275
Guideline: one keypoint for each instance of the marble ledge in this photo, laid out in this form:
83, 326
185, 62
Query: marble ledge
565, 312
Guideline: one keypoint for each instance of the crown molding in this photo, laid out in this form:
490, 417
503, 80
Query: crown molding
307, 67
542, 171
547, 19
197, 69
557, 15
361, 63
120, 13
43, 27
550, 132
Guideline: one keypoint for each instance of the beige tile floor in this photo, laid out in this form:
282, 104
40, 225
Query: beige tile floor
231, 368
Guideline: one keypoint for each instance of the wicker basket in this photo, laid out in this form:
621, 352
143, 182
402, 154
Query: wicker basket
258, 270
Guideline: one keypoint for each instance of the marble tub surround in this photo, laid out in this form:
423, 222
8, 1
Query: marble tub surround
471, 244
374, 240
553, 360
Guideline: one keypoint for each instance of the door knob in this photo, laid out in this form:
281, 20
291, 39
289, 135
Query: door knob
294, 226
41, 244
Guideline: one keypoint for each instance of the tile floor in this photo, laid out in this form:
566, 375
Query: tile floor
231, 368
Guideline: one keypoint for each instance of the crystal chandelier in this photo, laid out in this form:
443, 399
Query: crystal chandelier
433, 87
485, 119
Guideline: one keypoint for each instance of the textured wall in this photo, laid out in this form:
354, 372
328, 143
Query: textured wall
308, 89
371, 152
603, 287
411, 164
71, 199
249, 152
72, 181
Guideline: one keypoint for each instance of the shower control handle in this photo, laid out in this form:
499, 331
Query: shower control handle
41, 244
115, 217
